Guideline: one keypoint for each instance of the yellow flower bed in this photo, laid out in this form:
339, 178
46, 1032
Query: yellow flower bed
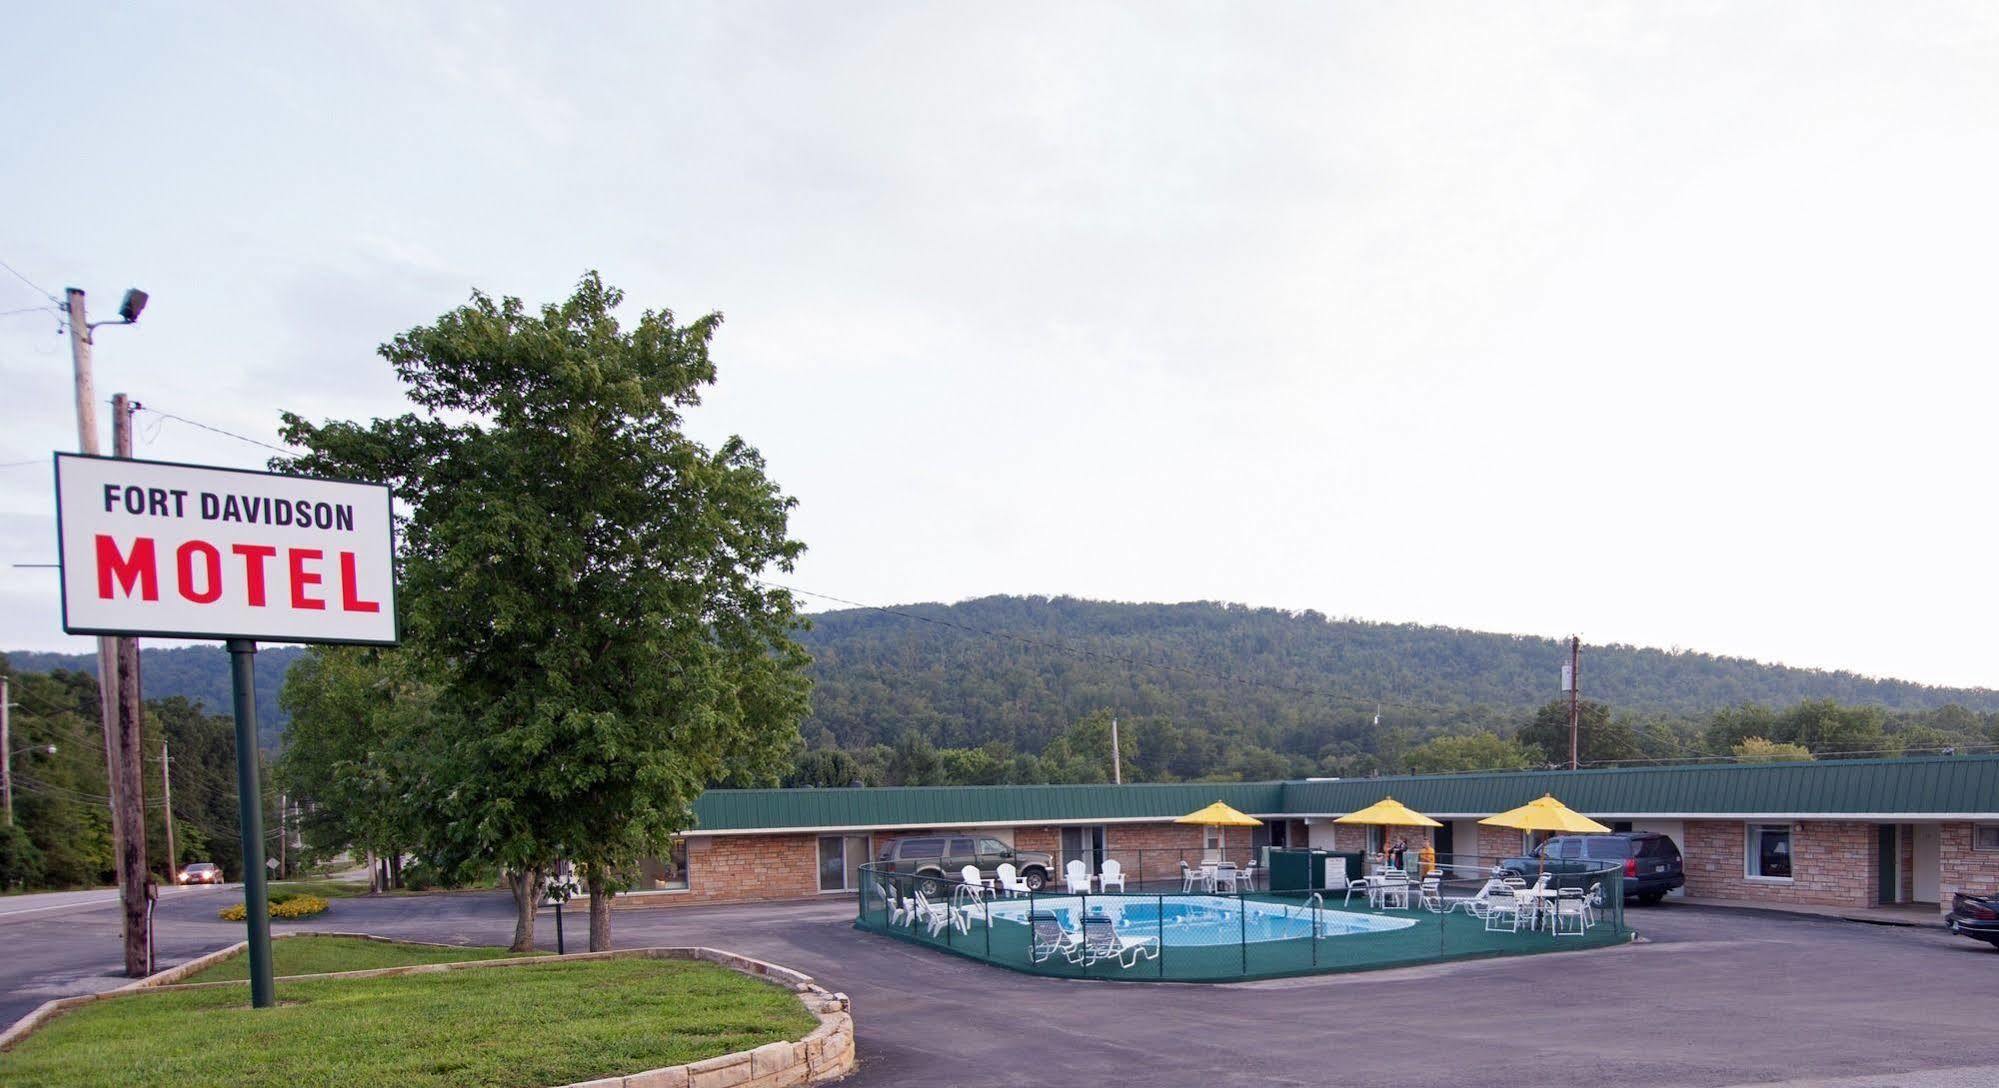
282, 906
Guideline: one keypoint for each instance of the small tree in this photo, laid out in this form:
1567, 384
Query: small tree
1759, 750
581, 578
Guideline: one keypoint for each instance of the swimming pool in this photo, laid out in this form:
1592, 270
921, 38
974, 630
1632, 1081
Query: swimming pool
1185, 921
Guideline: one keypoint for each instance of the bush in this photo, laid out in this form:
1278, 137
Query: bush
283, 905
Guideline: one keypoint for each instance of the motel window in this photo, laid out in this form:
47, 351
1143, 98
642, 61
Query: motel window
840, 860
1985, 836
1768, 853
667, 872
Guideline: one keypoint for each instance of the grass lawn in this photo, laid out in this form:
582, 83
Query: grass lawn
507, 1027
321, 955
325, 889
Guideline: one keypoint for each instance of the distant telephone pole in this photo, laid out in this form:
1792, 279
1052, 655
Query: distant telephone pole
128, 782
1117, 758
6, 755
1575, 691
167, 790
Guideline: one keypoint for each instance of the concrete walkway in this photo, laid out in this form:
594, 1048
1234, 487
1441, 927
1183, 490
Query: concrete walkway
1908, 914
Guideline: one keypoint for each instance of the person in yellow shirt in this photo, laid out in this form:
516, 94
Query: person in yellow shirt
1427, 859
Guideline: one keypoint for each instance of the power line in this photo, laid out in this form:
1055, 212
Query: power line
217, 430
31, 283
31, 310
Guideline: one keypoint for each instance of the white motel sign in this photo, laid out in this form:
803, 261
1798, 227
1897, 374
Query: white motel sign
181, 551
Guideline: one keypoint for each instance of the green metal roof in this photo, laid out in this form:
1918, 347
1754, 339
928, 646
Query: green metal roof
1938, 786
939, 806
1957, 786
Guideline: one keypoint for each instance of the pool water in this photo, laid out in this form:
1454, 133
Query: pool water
1192, 921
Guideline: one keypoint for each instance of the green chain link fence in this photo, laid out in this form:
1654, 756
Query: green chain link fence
1203, 936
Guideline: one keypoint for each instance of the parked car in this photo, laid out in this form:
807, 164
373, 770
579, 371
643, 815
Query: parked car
201, 872
940, 858
1652, 865
1974, 916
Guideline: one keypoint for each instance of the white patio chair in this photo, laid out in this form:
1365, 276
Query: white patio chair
1593, 902
1077, 876
1430, 895
1391, 892
1502, 912
974, 884
1010, 881
1189, 877
1571, 914
1225, 877
1113, 873
1362, 884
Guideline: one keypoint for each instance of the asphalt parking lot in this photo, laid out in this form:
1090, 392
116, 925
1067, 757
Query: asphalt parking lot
1709, 998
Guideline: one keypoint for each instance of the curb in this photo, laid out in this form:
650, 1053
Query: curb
824, 1055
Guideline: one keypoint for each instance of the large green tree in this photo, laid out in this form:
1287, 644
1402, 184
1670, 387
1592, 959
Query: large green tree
1600, 738
358, 753
1481, 751
580, 578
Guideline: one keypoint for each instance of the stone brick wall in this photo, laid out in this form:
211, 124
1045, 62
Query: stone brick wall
742, 868
1833, 863
1962, 868
1498, 842
1153, 852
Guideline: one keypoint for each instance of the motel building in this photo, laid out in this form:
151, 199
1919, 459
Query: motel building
1845, 834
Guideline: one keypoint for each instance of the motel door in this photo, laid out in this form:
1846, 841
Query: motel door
1086, 843
1888, 871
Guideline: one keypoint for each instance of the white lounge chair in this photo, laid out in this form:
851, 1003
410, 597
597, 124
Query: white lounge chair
1113, 873
1077, 876
1102, 941
1049, 938
892, 903
1475, 906
1010, 881
931, 914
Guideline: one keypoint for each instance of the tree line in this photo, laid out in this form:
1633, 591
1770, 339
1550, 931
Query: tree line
60, 836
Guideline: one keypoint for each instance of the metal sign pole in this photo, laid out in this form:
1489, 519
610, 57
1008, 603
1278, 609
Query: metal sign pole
250, 815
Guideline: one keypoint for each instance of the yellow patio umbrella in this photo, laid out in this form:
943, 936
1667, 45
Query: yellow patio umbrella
1544, 813
1388, 812
1547, 814
1222, 816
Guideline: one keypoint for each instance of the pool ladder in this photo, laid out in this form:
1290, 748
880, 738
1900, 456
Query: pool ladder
1315, 897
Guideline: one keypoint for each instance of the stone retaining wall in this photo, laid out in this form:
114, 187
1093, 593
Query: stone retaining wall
824, 1055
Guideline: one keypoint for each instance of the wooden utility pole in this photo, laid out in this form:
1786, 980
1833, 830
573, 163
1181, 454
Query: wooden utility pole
6, 755
167, 791
1575, 692
87, 443
128, 783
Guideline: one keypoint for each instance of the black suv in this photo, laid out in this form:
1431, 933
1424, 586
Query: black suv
1651, 861
939, 859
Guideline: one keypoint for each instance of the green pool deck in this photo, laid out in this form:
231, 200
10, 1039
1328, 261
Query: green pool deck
1434, 938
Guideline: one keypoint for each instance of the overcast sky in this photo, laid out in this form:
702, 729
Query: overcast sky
1666, 324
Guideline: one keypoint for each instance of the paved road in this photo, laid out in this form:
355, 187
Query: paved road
1712, 998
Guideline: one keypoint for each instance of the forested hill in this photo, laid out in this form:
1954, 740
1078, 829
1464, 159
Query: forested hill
1021, 670
989, 669
200, 673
